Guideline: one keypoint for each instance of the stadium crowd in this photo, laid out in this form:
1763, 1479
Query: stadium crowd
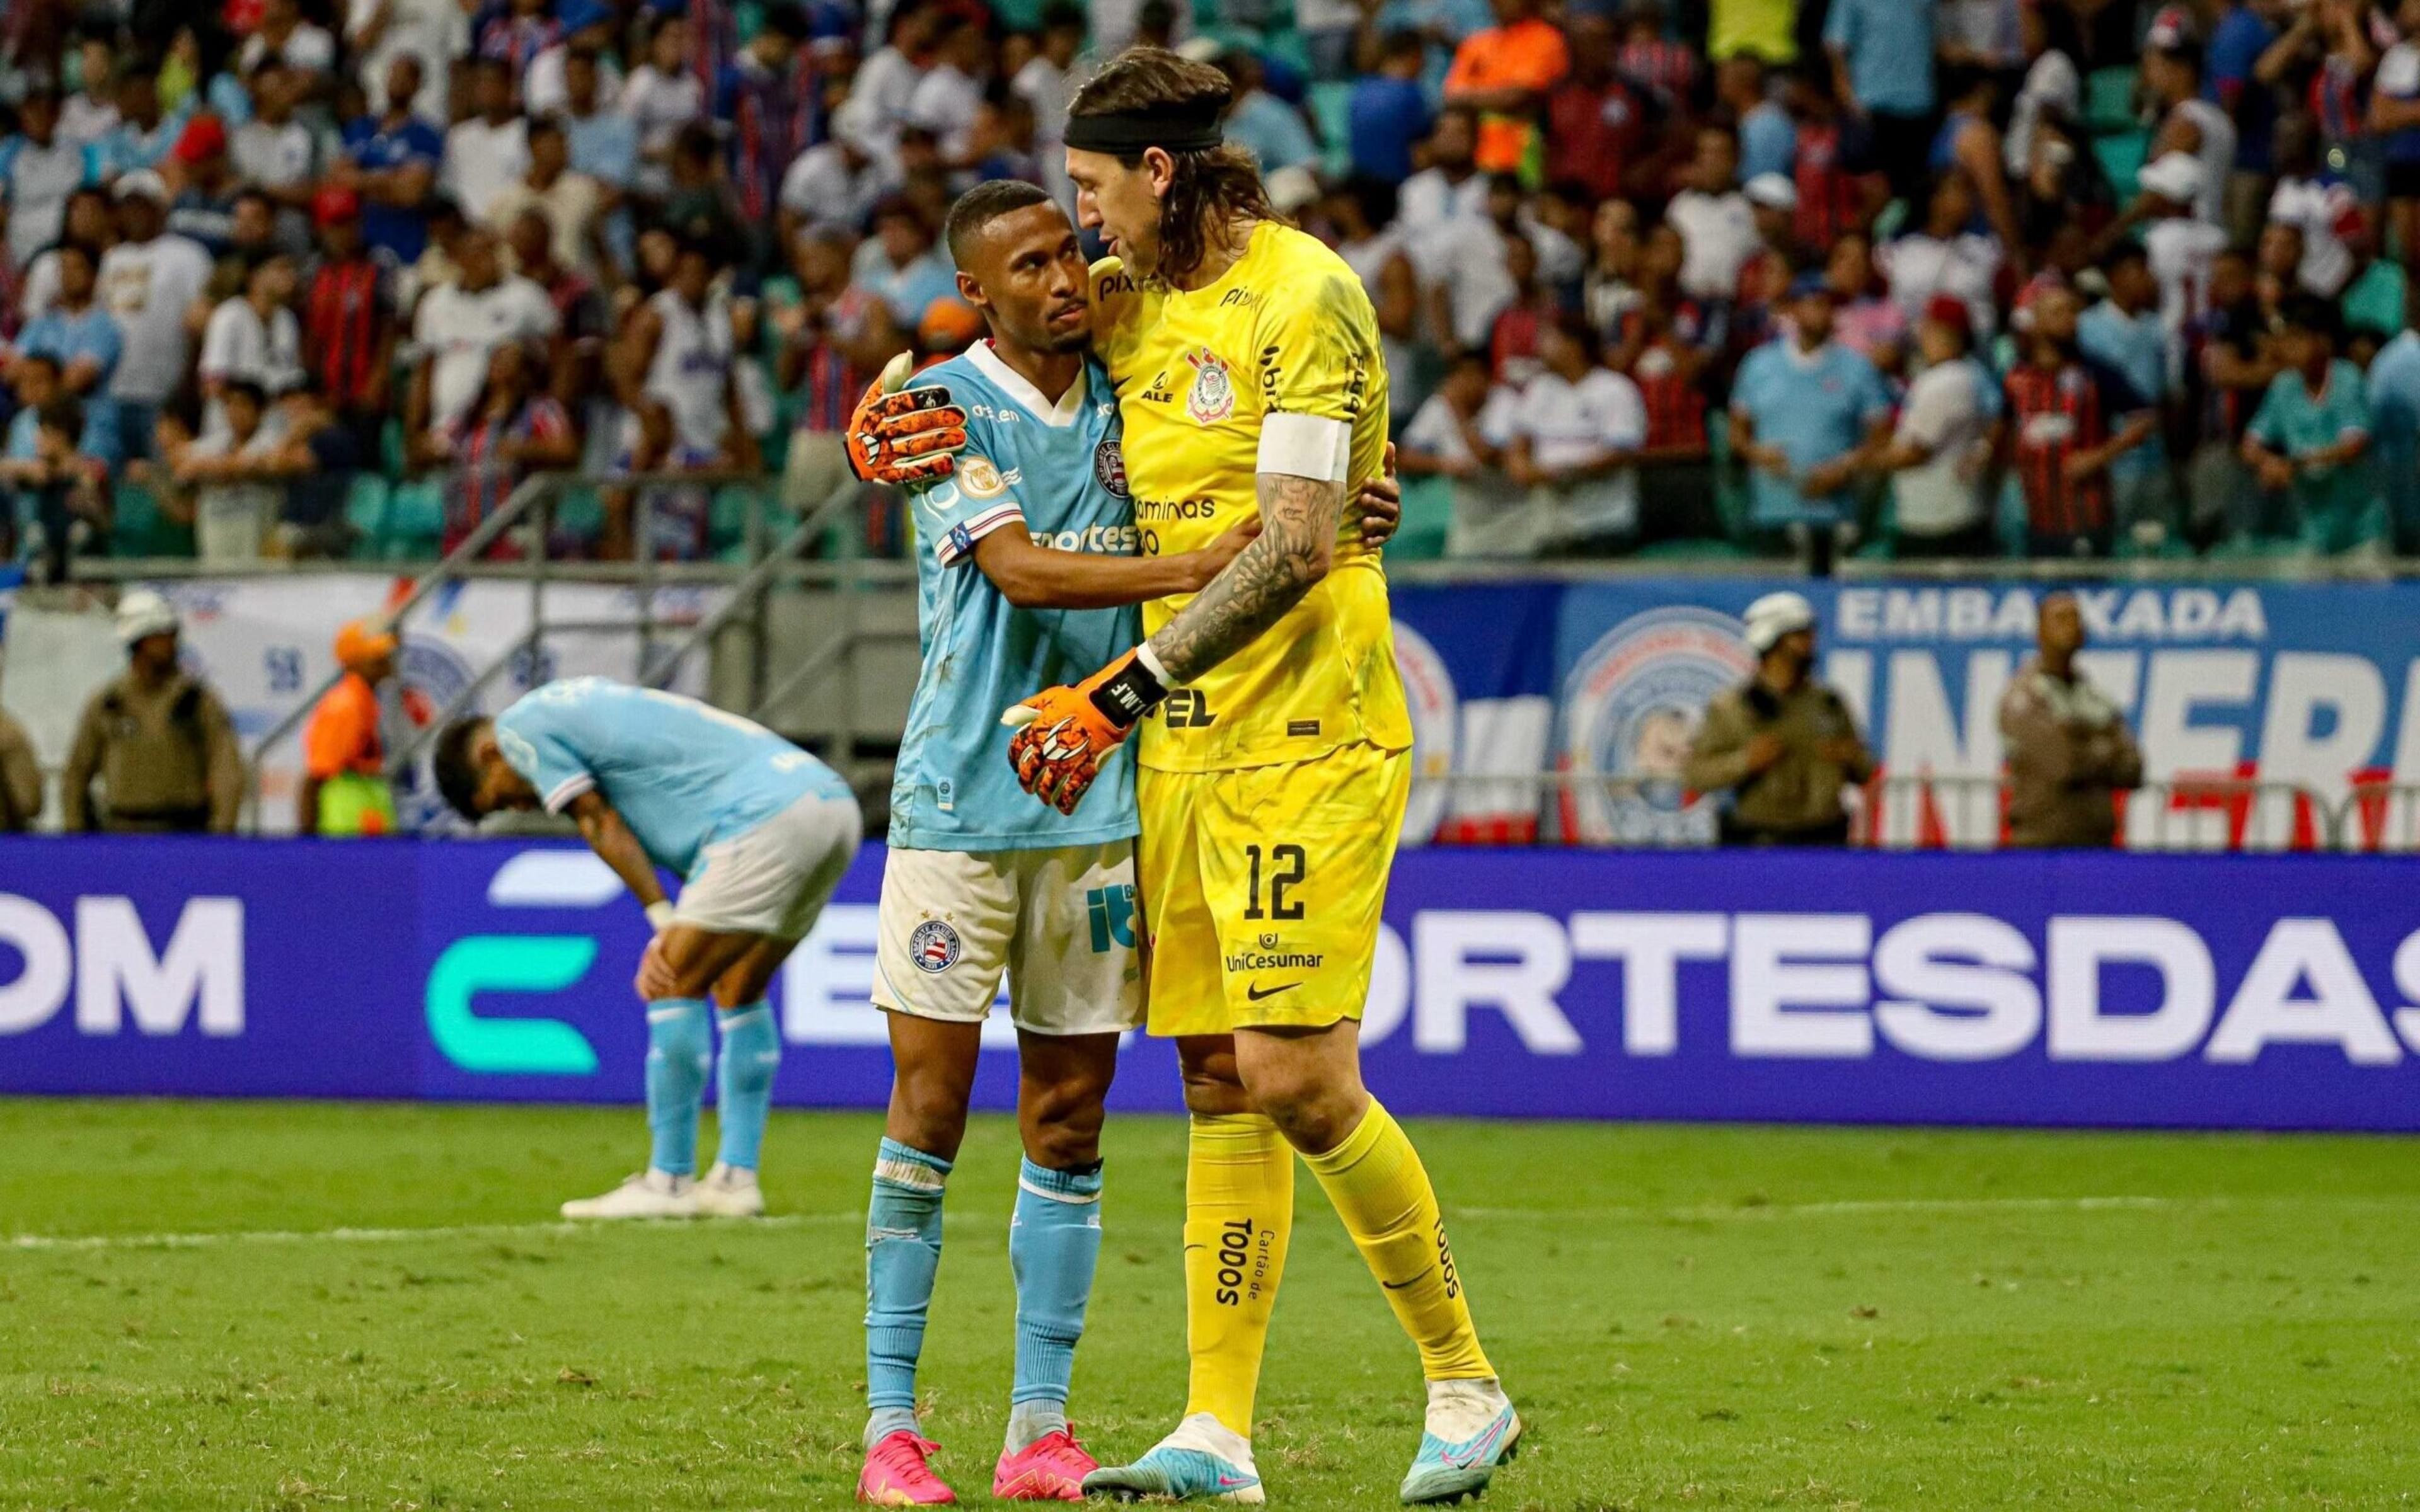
1896, 277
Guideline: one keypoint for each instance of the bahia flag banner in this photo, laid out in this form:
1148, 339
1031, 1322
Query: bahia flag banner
2307, 684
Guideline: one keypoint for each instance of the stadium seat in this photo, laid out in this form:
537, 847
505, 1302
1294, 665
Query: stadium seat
2374, 301
1331, 112
1266, 16
139, 529
2109, 100
1882, 545
1229, 38
1731, 486
1428, 515
2009, 520
365, 512
726, 523
2121, 156
579, 516
1288, 47
415, 521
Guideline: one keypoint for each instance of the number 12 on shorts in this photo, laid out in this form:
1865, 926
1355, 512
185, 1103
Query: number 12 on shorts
1285, 868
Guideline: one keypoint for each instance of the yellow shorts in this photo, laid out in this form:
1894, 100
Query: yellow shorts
1259, 888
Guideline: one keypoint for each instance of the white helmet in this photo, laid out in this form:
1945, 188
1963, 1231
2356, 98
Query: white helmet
1776, 615
143, 613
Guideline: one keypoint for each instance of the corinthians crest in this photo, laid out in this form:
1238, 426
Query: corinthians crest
1212, 396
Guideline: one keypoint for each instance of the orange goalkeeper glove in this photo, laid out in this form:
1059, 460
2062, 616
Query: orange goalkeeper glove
1065, 734
899, 435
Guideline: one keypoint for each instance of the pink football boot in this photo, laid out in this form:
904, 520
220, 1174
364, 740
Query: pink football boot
895, 1474
1050, 1469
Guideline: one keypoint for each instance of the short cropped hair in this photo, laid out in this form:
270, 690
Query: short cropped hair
458, 776
984, 204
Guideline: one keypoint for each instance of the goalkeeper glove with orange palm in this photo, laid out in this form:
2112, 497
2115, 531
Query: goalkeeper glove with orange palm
1063, 735
903, 436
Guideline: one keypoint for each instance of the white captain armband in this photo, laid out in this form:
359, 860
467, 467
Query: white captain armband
1304, 446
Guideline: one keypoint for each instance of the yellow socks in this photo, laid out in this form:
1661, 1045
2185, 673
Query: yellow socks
1238, 1211
1379, 1188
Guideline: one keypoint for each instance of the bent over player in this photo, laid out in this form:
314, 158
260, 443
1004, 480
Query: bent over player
1273, 762
1033, 554
761, 830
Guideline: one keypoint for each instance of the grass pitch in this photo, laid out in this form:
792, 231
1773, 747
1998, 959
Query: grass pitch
259, 1306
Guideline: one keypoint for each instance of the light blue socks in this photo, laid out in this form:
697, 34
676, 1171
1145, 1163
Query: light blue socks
902, 1253
1054, 1245
751, 1051
681, 1050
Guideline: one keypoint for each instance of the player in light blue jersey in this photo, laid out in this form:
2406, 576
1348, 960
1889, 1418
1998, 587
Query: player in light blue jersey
760, 830
1030, 569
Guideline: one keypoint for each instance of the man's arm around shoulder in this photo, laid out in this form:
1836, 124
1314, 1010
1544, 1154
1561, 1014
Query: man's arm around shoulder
1296, 547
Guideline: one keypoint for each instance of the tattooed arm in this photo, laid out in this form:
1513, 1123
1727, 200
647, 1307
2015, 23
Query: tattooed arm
1299, 518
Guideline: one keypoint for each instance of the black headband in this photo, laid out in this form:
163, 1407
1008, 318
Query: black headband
1180, 127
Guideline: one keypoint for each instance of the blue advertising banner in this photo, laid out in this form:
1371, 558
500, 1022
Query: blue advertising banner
2313, 684
2274, 992
2308, 684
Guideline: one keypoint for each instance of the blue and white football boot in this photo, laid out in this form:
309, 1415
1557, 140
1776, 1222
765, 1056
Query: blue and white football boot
1203, 1461
1471, 1430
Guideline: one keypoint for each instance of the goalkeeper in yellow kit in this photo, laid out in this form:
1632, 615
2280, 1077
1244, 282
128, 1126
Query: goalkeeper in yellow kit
1273, 763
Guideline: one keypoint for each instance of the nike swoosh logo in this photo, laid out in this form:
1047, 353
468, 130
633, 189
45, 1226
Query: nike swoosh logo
1230, 1483
1256, 992
1398, 1286
1473, 1451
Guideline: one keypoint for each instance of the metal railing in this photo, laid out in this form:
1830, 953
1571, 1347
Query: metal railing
1864, 571
2181, 812
532, 505
1954, 812
2379, 815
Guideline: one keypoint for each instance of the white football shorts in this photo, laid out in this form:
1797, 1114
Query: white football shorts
774, 879
1059, 923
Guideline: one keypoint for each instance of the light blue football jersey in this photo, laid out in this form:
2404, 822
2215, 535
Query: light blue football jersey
1055, 472
681, 774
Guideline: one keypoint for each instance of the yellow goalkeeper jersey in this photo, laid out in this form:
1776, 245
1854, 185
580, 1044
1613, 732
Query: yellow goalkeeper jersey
1288, 329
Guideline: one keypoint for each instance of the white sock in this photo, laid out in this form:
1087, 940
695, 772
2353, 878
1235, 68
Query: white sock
1206, 1433
886, 1421
1030, 1421
1460, 1408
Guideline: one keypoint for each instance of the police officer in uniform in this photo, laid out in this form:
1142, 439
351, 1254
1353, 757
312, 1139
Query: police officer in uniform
20, 777
1781, 745
160, 741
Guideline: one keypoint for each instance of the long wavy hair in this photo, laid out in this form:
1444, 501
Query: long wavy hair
1209, 191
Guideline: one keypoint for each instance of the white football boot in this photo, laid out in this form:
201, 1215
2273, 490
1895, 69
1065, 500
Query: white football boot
729, 1192
1203, 1460
651, 1194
